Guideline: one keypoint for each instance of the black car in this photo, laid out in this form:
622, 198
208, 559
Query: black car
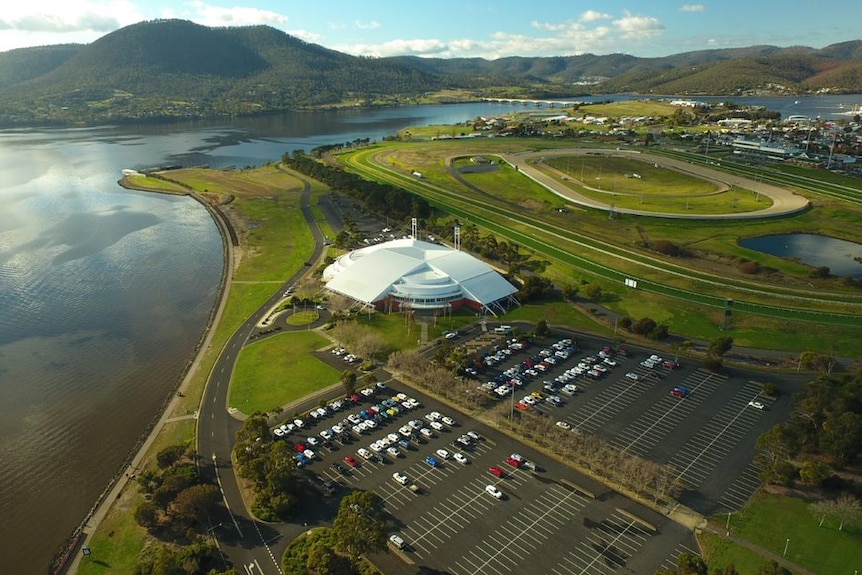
339, 468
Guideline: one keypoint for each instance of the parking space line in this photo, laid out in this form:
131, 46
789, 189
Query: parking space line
520, 529
703, 452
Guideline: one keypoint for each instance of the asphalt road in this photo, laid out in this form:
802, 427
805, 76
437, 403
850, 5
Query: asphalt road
247, 543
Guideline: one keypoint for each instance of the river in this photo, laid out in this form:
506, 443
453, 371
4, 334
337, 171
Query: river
105, 293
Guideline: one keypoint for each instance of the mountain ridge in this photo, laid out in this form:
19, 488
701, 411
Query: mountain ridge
169, 69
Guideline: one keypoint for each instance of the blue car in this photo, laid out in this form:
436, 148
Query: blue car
432, 461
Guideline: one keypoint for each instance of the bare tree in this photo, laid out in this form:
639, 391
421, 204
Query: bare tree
847, 508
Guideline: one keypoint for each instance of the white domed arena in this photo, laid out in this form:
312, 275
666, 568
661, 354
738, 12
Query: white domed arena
417, 275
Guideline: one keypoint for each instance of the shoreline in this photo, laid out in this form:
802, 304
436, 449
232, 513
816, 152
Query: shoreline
67, 559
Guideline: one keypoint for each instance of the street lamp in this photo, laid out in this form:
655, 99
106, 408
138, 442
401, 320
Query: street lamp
785, 548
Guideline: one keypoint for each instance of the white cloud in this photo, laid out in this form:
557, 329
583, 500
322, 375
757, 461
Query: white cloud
594, 15
360, 25
638, 27
305, 35
40, 16
209, 15
692, 8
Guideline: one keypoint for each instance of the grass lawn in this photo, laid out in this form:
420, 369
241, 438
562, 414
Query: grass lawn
279, 369
303, 317
720, 553
770, 521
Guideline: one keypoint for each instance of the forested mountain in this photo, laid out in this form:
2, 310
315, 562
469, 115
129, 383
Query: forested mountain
177, 69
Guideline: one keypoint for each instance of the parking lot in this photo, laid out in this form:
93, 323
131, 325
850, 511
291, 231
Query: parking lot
547, 521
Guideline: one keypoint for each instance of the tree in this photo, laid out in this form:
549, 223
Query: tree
720, 346
147, 515
570, 292
170, 455
841, 435
847, 508
320, 558
348, 381
690, 564
542, 328
813, 472
593, 292
195, 503
772, 567
775, 449
359, 526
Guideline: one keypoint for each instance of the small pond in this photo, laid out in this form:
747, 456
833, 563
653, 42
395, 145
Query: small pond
814, 250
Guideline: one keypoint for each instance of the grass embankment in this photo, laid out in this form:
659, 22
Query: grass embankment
275, 242
770, 521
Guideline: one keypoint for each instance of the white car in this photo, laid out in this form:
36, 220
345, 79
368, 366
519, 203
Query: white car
448, 421
461, 458
756, 404
426, 432
393, 451
364, 453
564, 425
443, 454
492, 489
474, 436
376, 447
437, 426
633, 376
397, 541
400, 478
406, 431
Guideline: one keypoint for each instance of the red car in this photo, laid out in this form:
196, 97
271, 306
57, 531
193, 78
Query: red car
300, 447
514, 462
351, 461
496, 471
522, 406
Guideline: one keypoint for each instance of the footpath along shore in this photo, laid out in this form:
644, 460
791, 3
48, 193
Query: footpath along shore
81, 539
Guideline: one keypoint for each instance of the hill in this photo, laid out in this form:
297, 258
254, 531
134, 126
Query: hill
169, 69
177, 69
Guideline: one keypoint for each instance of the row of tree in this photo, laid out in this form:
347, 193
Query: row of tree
826, 424
269, 466
176, 511
398, 204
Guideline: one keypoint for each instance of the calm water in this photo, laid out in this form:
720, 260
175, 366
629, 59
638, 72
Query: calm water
104, 293
837, 255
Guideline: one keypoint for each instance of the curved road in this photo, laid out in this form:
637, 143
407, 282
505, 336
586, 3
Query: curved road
243, 540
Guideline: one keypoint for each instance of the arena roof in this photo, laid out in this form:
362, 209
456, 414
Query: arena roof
415, 271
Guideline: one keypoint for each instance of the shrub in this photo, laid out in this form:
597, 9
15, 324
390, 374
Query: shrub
749, 267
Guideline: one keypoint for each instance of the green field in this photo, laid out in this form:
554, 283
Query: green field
629, 183
770, 521
280, 369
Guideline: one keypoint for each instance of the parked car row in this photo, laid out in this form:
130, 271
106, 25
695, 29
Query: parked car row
342, 352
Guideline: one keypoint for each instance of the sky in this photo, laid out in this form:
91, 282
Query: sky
462, 28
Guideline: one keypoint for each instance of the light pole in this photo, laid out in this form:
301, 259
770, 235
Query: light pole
727, 526
785, 548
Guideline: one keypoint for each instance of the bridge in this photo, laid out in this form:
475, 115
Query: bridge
537, 103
